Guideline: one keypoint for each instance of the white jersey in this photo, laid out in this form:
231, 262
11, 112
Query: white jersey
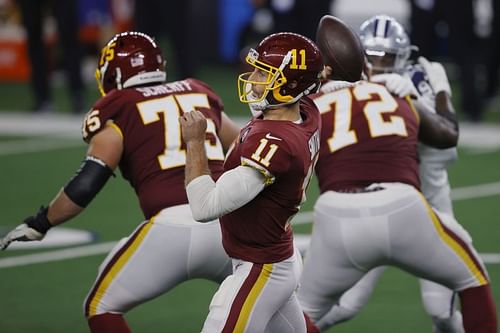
433, 162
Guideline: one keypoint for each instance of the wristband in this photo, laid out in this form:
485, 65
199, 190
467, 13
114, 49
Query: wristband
39, 221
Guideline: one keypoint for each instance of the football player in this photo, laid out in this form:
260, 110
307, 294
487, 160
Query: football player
371, 208
265, 177
135, 126
388, 50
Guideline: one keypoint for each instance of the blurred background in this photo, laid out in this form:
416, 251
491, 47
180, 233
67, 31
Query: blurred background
48, 55
48, 48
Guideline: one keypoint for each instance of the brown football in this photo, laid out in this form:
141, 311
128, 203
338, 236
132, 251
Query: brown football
341, 48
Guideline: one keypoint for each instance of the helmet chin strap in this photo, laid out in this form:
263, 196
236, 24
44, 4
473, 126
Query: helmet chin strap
255, 112
258, 106
262, 106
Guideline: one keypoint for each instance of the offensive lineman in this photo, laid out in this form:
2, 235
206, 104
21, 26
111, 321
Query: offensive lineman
135, 126
371, 213
431, 84
266, 174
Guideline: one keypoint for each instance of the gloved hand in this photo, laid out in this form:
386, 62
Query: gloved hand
34, 228
436, 75
334, 85
397, 84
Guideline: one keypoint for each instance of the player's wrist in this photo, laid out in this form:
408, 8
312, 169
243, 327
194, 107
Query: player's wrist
196, 143
39, 221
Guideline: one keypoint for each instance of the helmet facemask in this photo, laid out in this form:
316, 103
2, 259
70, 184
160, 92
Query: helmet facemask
385, 62
287, 66
271, 80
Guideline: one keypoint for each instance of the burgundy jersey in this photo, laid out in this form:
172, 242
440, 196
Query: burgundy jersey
154, 154
367, 136
285, 153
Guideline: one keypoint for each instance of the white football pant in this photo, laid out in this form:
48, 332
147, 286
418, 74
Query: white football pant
258, 298
354, 233
160, 254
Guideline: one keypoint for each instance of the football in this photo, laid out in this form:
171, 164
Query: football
341, 48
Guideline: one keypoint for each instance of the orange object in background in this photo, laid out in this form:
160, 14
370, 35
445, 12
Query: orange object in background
14, 64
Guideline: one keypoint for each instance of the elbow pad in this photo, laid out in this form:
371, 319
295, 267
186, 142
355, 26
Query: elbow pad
88, 181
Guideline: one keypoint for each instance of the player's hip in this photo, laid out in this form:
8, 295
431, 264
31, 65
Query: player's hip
376, 199
180, 215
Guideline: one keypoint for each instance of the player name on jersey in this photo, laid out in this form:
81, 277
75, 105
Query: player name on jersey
168, 88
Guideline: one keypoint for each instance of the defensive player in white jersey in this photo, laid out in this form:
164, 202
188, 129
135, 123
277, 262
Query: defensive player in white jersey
388, 49
266, 174
371, 212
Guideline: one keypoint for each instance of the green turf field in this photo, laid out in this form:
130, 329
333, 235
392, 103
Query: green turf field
47, 297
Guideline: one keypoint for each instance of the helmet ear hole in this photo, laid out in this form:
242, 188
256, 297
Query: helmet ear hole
292, 85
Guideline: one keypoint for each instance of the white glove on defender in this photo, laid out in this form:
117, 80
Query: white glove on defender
397, 84
436, 75
335, 85
21, 233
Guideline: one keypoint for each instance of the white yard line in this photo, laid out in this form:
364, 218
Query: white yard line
97, 249
37, 145
57, 255
475, 191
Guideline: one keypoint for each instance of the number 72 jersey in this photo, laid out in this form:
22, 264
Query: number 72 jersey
154, 154
367, 136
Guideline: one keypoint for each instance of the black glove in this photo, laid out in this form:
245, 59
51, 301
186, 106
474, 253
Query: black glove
39, 221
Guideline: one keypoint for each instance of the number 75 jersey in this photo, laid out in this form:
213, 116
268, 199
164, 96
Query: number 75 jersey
154, 154
367, 136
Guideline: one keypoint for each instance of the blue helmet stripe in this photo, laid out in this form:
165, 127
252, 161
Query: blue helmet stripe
381, 28
387, 24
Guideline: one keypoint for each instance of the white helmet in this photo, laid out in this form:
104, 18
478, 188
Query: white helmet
382, 36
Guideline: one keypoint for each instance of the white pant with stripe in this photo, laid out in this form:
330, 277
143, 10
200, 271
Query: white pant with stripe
258, 298
354, 233
160, 254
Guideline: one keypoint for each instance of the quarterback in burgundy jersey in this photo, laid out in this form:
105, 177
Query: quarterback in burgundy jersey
266, 173
260, 231
371, 211
135, 126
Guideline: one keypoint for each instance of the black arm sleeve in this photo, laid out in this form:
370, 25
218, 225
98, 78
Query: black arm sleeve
88, 181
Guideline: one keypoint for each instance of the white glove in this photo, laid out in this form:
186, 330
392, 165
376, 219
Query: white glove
397, 84
21, 233
436, 75
334, 85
